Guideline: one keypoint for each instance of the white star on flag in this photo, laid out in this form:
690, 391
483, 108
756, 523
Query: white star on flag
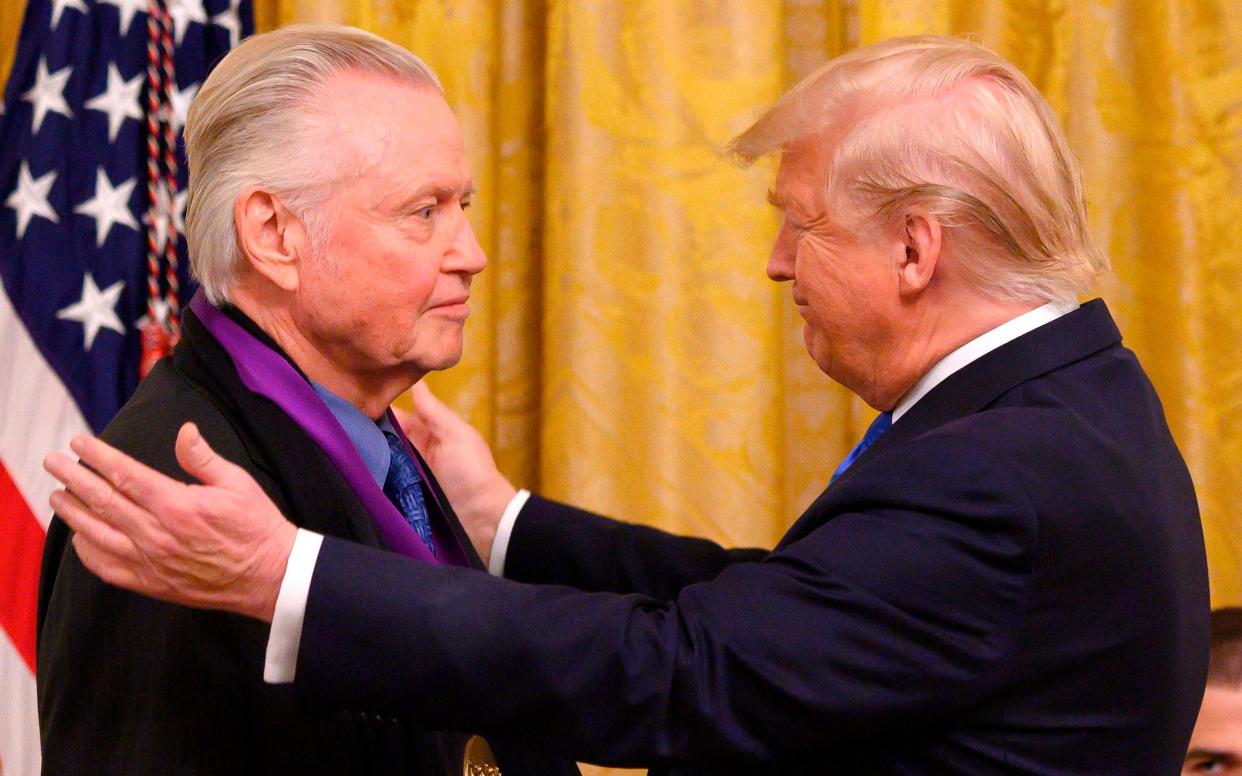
180, 100
109, 206
59, 6
95, 310
183, 12
177, 209
48, 93
230, 19
30, 198
119, 100
127, 9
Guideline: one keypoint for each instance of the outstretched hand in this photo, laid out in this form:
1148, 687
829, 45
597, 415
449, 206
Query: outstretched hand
463, 464
219, 545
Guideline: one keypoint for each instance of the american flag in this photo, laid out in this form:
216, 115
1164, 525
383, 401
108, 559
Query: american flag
92, 192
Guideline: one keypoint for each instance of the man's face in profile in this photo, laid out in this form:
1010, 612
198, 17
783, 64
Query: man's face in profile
1216, 744
387, 292
842, 282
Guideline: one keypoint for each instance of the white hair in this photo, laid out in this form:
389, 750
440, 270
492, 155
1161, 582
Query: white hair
947, 126
251, 124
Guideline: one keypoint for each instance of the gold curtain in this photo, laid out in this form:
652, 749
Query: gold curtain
627, 353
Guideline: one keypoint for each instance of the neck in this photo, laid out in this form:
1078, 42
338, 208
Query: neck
933, 333
371, 392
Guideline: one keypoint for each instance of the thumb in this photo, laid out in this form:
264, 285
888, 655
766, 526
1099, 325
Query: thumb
414, 427
200, 461
431, 411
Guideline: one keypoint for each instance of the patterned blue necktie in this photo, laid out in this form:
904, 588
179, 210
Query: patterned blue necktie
877, 427
403, 486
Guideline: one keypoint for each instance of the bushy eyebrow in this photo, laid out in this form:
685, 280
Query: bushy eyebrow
1211, 754
437, 191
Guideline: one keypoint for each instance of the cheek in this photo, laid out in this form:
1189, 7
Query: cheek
324, 293
392, 291
422, 282
411, 271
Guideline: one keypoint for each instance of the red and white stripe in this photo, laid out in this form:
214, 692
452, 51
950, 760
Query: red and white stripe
37, 415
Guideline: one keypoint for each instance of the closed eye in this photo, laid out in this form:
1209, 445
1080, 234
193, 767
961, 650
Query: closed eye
1208, 761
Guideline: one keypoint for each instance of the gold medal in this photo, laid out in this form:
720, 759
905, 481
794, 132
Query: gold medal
479, 760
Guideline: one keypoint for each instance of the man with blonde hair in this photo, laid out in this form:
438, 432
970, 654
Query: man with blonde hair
1006, 575
331, 282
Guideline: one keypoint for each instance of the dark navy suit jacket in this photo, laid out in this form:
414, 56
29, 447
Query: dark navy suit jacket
132, 686
1011, 580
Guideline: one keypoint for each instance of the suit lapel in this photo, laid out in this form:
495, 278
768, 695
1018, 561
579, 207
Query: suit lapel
1055, 345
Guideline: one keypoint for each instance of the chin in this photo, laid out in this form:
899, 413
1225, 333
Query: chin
440, 360
818, 351
436, 349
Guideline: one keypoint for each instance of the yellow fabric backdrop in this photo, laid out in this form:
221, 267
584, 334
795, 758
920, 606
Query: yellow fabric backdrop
626, 351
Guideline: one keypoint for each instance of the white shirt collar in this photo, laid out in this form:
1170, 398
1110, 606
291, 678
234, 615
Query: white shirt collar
980, 346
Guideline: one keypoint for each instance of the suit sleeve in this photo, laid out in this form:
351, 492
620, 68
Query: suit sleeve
132, 685
558, 544
888, 614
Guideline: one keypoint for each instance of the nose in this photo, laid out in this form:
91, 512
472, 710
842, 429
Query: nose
465, 253
781, 261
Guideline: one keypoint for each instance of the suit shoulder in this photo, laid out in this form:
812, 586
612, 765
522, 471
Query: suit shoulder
963, 451
146, 426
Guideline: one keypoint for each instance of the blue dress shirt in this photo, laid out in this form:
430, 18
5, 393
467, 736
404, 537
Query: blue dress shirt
366, 434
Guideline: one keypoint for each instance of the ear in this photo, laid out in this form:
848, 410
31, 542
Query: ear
272, 238
921, 236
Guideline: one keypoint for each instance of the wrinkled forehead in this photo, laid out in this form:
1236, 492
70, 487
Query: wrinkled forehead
803, 165
378, 126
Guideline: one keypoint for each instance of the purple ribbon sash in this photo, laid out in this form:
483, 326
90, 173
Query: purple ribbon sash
268, 374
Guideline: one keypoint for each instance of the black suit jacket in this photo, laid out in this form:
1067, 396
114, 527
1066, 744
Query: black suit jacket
1011, 580
128, 685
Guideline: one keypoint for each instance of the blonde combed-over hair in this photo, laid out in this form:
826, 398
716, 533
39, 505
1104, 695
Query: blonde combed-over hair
949, 127
252, 124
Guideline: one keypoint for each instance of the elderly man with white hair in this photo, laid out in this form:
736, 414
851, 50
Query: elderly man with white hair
325, 222
1006, 575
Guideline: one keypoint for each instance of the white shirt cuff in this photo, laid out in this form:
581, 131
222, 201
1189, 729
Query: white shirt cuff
286, 634
504, 530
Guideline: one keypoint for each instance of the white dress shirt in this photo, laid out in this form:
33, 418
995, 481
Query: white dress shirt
286, 633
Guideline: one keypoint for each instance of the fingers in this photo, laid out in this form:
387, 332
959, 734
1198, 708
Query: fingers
409, 421
419, 425
140, 483
107, 552
421, 393
202, 463
93, 530
96, 494
430, 409
103, 563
